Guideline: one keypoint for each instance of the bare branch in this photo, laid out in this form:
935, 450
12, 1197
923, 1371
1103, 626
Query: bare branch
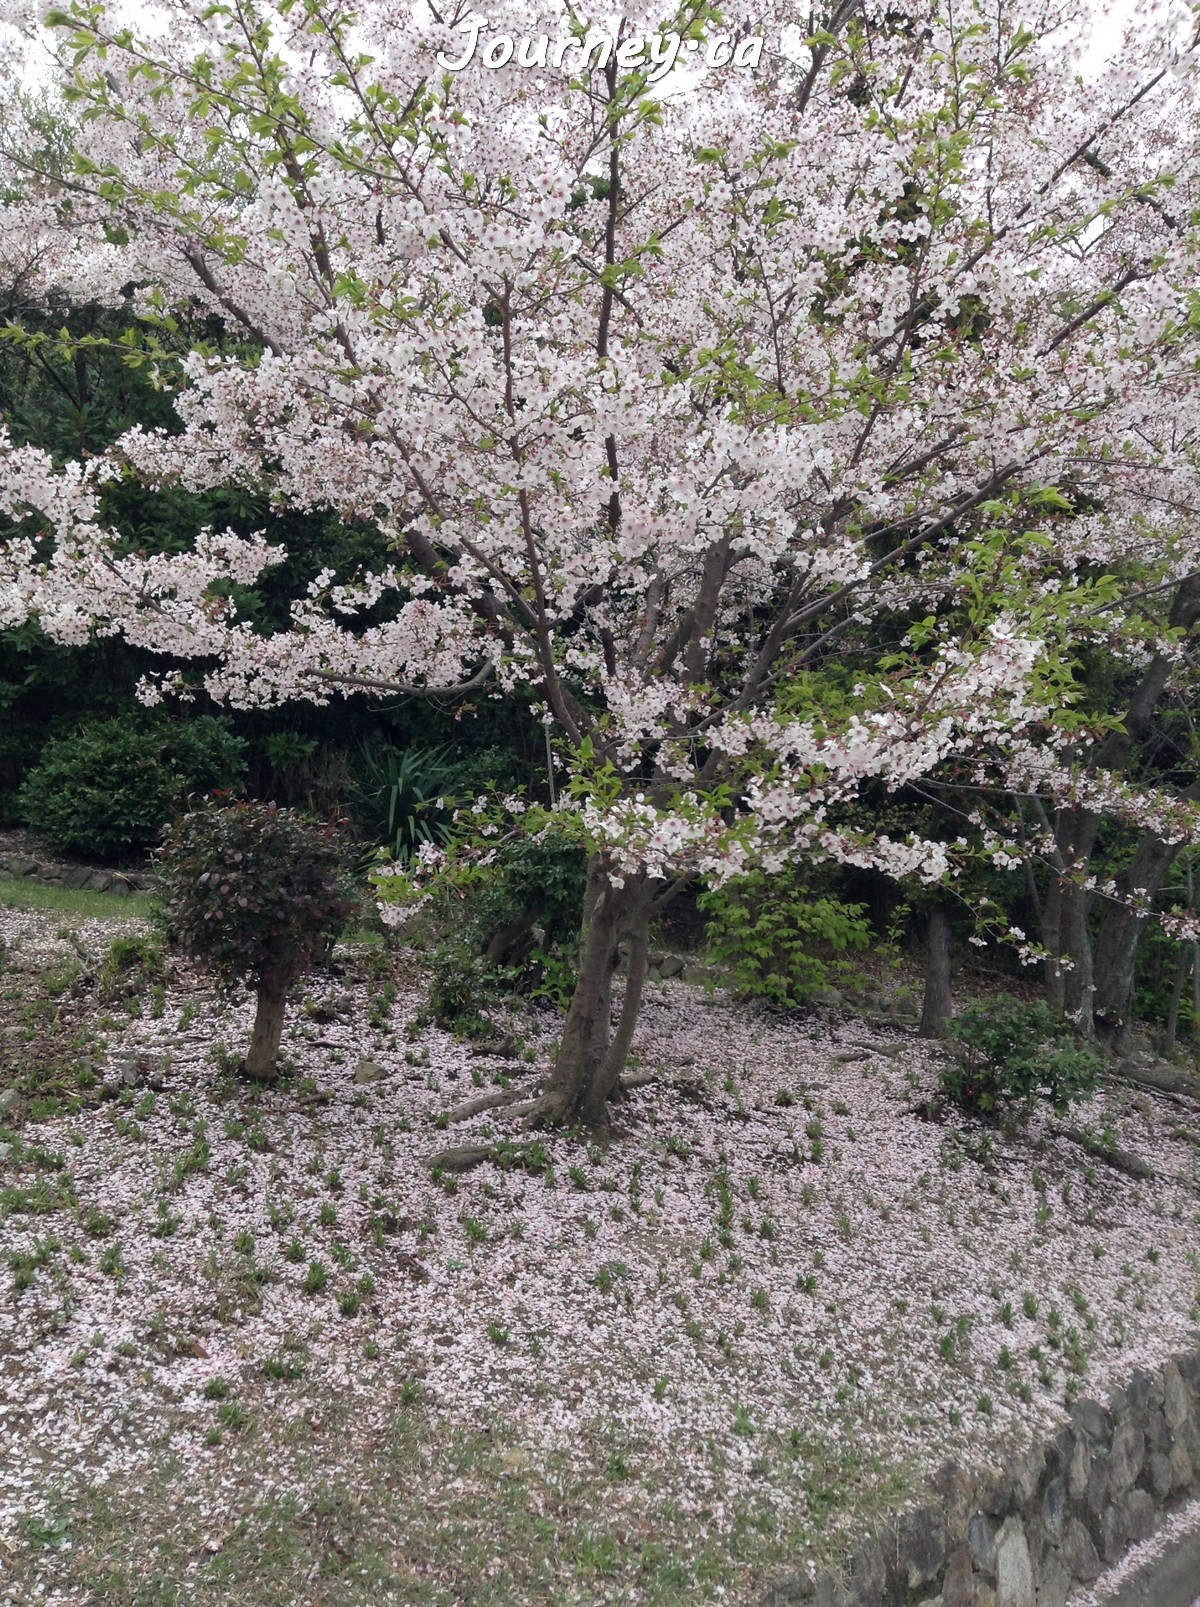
405, 688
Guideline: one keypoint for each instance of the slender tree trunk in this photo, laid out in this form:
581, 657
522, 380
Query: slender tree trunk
1079, 987
939, 1002
604, 1079
262, 1057
1066, 929
1181, 971
591, 1057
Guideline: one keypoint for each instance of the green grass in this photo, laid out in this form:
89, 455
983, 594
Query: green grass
24, 893
352, 1536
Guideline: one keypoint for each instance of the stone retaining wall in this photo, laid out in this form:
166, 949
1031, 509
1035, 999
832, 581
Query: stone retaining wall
95, 878
1049, 1524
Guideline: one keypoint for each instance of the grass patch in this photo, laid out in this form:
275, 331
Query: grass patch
521, 1528
24, 893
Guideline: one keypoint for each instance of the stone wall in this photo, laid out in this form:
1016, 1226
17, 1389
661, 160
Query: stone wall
95, 878
1049, 1524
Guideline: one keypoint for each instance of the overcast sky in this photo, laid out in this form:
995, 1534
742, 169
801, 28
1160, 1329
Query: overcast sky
1111, 17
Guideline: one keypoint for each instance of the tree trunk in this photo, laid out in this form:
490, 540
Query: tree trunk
592, 1056
1052, 943
1120, 929
1066, 930
1079, 988
1172, 1032
939, 1003
262, 1057
1070, 984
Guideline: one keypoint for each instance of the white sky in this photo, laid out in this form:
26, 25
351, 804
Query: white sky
1110, 19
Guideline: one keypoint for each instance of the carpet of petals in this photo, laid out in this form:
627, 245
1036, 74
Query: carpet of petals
857, 1316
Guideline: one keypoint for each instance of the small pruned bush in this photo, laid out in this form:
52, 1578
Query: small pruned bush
781, 939
256, 894
108, 789
1009, 1055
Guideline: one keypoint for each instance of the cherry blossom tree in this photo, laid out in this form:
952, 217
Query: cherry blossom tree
668, 391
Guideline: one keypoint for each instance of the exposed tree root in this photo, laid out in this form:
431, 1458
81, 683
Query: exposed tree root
492, 1101
1159, 1077
468, 1156
544, 1110
1121, 1160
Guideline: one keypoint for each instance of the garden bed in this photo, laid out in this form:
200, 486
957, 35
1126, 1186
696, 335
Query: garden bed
253, 1351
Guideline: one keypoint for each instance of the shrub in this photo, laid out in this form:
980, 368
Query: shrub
780, 938
1010, 1055
257, 894
108, 789
397, 803
510, 927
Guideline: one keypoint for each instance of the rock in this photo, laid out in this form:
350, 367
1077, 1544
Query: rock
698, 975
1140, 1390
5, 1152
981, 1538
1181, 1466
1035, 1539
789, 1591
996, 1495
19, 865
957, 1491
922, 1545
958, 1583
1079, 1553
1161, 1476
1113, 1533
368, 1071
1141, 1519
1125, 1457
9, 1100
1054, 1503
868, 1575
1053, 1581
121, 887
830, 1591
1158, 1435
99, 881
78, 877
671, 966
1189, 1369
1025, 1476
1177, 1406
1090, 1418
1080, 1467
1014, 1573
1097, 1488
